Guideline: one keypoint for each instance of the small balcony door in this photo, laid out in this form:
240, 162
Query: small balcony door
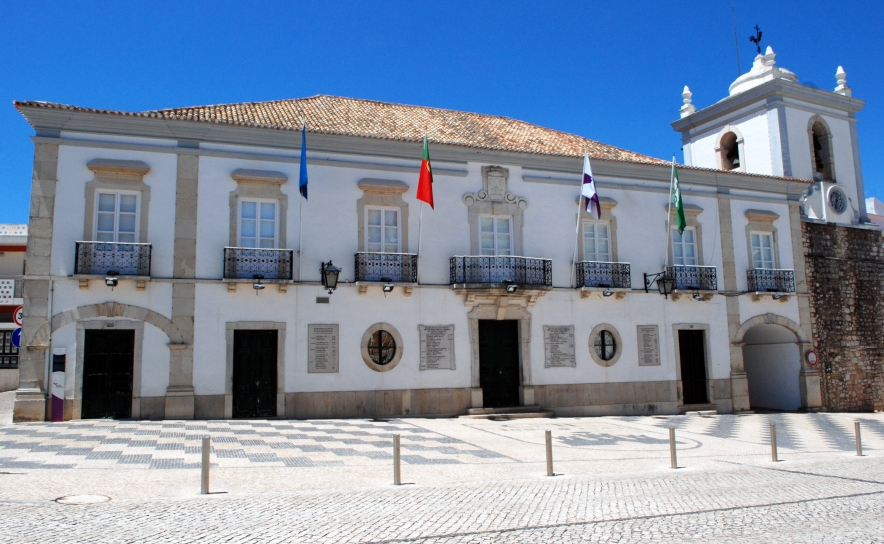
116, 217
382, 230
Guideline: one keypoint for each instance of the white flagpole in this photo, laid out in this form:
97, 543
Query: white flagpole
300, 232
669, 215
420, 232
577, 230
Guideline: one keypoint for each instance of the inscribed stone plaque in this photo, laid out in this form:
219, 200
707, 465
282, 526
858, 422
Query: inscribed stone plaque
558, 345
437, 347
648, 345
322, 348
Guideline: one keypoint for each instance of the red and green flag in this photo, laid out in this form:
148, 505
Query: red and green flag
425, 181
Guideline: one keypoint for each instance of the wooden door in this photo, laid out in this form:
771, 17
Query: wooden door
108, 362
254, 373
692, 347
499, 363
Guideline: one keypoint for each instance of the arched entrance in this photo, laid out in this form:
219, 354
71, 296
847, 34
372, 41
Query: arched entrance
772, 360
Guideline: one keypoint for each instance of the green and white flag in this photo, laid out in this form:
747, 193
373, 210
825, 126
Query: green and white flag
676, 199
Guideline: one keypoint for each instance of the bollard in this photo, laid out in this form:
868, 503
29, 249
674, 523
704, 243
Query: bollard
204, 466
773, 443
397, 480
673, 460
549, 464
859, 439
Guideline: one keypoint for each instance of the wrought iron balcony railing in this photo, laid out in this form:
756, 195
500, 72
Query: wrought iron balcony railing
250, 262
771, 280
501, 269
602, 274
693, 278
107, 257
399, 267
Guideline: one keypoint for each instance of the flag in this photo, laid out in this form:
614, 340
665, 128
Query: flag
588, 190
302, 183
676, 199
425, 181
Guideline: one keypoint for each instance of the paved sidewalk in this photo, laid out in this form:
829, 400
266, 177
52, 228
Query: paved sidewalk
469, 480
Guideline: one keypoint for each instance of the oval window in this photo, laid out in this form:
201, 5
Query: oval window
381, 347
605, 345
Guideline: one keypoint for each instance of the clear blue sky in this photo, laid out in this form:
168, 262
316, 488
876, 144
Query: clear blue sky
611, 71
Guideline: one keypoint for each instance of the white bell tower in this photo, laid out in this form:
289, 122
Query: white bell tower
770, 124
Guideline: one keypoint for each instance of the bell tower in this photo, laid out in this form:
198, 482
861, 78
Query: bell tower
770, 124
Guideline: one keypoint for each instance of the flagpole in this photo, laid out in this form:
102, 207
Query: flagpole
577, 233
300, 234
420, 232
669, 215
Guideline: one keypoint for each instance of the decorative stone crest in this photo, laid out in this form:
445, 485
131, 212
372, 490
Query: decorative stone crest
494, 189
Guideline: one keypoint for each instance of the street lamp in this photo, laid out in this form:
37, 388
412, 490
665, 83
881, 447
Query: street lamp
329, 273
665, 284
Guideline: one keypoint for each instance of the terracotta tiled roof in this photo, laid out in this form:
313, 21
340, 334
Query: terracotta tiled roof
373, 119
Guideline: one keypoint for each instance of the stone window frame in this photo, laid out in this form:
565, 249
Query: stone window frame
259, 185
280, 361
691, 211
114, 175
363, 347
829, 158
741, 150
617, 339
762, 221
495, 199
607, 205
384, 193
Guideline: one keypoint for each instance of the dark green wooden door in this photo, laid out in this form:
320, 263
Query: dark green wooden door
108, 361
499, 363
692, 347
254, 373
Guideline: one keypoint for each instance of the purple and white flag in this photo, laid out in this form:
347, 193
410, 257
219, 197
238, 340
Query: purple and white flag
588, 191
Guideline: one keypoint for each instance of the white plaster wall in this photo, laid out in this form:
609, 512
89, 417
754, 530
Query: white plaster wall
157, 296
66, 338
772, 371
70, 204
154, 362
742, 257
753, 124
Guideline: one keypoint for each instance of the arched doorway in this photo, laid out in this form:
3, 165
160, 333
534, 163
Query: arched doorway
772, 359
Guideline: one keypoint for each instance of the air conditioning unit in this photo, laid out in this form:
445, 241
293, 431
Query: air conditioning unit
827, 201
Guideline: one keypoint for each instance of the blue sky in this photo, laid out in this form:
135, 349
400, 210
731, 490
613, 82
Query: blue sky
611, 71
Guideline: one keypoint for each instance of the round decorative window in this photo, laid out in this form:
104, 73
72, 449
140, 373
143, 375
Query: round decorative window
605, 345
838, 200
381, 347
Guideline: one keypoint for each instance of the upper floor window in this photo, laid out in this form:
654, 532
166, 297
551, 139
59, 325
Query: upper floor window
116, 217
495, 234
730, 148
684, 247
762, 249
821, 142
596, 241
382, 230
258, 223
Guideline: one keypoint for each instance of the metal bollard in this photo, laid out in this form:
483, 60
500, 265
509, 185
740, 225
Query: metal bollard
673, 460
204, 466
773, 443
549, 464
397, 479
859, 439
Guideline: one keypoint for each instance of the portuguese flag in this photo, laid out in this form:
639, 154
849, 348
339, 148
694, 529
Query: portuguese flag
425, 181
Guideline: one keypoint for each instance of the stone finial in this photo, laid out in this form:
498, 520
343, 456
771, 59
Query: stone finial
769, 56
687, 108
841, 77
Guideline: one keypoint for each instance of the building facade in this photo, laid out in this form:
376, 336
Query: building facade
13, 244
175, 271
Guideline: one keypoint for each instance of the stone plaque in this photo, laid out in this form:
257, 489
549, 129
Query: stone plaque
437, 347
558, 345
648, 345
322, 348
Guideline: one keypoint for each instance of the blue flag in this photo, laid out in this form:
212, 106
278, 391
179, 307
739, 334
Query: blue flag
302, 184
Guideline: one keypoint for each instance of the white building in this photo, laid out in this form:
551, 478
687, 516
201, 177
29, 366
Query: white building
13, 243
875, 211
142, 289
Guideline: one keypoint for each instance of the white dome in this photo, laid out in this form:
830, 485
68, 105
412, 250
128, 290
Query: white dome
763, 69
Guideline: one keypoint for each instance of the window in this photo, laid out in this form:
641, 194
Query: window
257, 224
762, 250
730, 152
8, 352
684, 247
596, 241
820, 141
496, 234
605, 345
381, 347
382, 230
116, 217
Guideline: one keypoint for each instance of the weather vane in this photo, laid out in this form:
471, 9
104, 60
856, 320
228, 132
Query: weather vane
756, 39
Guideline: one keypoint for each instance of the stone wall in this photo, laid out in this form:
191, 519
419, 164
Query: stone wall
845, 276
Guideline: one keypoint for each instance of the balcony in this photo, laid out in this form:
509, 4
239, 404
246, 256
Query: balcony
393, 267
693, 278
524, 271
103, 258
771, 280
249, 263
603, 275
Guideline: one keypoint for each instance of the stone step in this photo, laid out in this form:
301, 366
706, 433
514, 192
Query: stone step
698, 409
511, 412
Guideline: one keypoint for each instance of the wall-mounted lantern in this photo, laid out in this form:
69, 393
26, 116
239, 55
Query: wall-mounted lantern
665, 284
329, 273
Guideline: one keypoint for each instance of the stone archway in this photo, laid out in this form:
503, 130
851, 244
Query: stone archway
772, 348
109, 309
